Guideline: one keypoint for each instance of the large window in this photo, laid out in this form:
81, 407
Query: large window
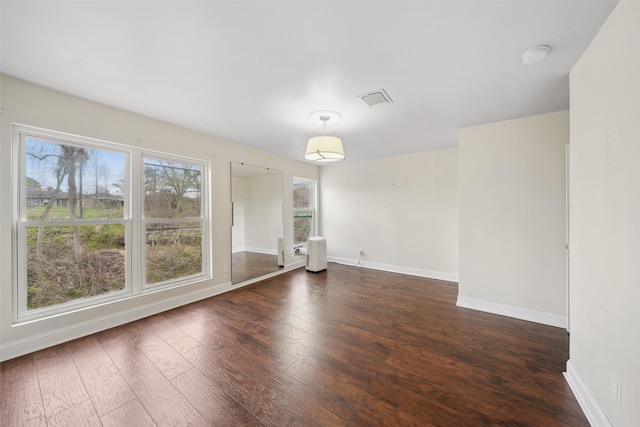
80, 230
304, 210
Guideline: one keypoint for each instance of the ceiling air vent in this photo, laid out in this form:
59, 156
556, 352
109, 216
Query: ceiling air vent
376, 97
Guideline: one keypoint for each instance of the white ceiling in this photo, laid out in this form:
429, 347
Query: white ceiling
251, 71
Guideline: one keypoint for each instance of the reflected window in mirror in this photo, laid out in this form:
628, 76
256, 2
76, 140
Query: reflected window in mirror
304, 210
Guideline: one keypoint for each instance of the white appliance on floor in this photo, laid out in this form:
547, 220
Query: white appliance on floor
280, 251
316, 254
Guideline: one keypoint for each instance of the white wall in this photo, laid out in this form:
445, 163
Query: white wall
605, 221
37, 106
513, 217
263, 213
403, 211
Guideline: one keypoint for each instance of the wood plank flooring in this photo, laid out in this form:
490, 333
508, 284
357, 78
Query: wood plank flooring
343, 347
249, 265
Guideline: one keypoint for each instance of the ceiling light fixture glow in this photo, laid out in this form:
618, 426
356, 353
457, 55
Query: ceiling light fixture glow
324, 148
535, 54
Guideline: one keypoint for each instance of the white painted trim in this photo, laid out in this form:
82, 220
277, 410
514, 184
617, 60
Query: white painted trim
262, 251
515, 312
10, 350
450, 277
256, 250
595, 415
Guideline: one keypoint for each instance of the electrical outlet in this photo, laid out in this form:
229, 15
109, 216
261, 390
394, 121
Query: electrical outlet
616, 390
226, 268
226, 278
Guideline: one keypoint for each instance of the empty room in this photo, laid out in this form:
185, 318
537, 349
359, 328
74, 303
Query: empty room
320, 213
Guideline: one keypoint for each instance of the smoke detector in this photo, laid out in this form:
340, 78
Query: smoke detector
376, 97
535, 54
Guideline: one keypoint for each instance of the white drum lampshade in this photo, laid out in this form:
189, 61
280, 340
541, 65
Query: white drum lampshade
324, 149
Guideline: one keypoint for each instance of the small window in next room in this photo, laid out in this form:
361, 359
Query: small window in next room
304, 210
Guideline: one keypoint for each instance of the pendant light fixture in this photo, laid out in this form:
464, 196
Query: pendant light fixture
324, 148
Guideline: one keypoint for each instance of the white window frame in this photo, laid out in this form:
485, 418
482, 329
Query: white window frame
314, 211
135, 278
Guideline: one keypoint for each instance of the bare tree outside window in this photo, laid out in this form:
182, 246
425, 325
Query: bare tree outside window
172, 192
69, 254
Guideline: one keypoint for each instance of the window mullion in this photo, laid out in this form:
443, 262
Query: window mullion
135, 266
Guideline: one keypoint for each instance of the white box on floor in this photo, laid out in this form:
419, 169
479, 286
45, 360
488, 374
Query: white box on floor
316, 254
280, 251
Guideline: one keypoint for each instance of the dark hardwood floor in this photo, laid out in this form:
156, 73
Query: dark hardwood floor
343, 347
249, 265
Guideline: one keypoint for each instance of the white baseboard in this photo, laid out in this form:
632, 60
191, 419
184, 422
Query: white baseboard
450, 277
262, 251
9, 350
515, 312
590, 407
12, 349
294, 265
